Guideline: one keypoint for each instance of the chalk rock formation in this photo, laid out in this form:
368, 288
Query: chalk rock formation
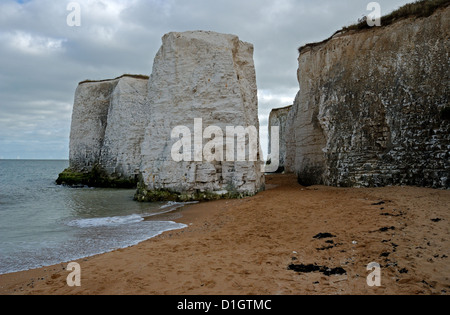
373, 107
108, 123
278, 118
207, 76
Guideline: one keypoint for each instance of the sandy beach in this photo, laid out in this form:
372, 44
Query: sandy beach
258, 245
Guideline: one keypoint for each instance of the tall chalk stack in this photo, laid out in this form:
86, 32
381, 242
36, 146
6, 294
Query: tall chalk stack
208, 78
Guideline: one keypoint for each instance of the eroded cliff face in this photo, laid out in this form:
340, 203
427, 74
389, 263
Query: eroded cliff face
207, 76
108, 122
372, 107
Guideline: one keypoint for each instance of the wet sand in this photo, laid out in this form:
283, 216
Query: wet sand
288, 240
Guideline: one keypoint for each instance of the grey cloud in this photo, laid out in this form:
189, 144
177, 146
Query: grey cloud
42, 59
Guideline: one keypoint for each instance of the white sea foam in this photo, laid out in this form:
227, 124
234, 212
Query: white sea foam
95, 238
105, 222
176, 205
48, 227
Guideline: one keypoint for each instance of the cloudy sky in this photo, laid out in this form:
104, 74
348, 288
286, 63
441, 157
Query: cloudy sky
42, 58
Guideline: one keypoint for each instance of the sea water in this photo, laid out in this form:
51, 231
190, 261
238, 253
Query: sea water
43, 224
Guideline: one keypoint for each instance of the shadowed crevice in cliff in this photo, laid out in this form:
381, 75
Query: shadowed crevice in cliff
311, 176
445, 113
279, 170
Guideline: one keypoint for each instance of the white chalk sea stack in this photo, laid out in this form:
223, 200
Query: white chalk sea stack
207, 76
108, 124
278, 118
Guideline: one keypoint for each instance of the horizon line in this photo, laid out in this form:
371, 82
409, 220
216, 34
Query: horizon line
38, 159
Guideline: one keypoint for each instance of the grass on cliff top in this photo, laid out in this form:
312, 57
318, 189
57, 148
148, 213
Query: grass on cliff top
135, 76
418, 9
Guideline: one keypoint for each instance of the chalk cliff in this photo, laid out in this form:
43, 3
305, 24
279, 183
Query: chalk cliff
278, 118
207, 76
373, 106
123, 129
108, 123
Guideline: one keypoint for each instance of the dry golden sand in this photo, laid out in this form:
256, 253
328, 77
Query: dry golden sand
245, 247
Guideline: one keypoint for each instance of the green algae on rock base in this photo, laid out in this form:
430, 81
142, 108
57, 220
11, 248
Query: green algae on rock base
156, 195
95, 178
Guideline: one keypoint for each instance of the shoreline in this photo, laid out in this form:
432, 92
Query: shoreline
186, 214
246, 247
166, 214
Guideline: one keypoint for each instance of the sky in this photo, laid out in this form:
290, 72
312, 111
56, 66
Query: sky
42, 58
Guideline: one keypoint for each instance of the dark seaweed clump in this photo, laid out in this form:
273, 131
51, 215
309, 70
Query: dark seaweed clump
315, 268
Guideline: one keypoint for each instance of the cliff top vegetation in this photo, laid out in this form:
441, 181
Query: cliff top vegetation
136, 76
417, 9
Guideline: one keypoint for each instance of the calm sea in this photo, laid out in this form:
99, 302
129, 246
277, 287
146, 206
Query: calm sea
43, 224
